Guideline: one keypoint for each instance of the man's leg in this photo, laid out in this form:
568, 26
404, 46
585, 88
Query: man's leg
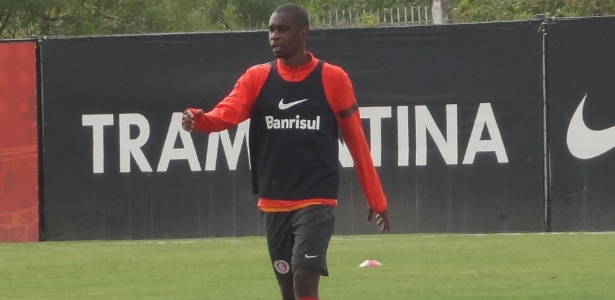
306, 282
312, 228
280, 242
287, 288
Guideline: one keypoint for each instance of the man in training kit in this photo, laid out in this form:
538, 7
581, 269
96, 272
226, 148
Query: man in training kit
296, 105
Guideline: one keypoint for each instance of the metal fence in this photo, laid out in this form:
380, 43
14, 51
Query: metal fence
394, 16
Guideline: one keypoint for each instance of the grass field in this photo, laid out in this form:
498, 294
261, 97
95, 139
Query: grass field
510, 266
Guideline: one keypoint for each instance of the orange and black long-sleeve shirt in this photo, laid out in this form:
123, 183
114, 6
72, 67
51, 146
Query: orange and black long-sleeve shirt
267, 94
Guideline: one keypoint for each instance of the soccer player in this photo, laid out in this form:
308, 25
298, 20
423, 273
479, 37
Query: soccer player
297, 104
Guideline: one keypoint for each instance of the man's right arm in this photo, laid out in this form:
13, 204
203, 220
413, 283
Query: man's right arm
234, 108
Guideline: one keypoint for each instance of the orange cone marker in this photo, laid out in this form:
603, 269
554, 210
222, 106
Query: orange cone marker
370, 263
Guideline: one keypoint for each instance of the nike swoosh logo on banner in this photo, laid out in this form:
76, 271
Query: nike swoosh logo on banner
586, 143
284, 106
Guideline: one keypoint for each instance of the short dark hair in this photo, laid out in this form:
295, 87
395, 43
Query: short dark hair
300, 16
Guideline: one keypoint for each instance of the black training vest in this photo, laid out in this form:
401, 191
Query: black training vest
293, 139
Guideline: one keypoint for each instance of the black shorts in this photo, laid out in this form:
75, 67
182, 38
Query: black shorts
299, 237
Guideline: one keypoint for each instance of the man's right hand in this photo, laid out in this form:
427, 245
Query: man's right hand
188, 119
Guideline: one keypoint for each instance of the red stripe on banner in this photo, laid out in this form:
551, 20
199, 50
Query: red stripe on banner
19, 213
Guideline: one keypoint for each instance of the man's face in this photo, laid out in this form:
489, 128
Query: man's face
285, 37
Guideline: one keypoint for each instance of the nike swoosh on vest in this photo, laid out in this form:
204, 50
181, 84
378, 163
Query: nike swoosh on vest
284, 106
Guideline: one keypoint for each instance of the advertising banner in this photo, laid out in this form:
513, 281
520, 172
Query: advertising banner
452, 115
117, 163
19, 206
581, 69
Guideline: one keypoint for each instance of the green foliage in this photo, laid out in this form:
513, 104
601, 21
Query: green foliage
20, 17
23, 18
95, 17
497, 10
368, 20
256, 13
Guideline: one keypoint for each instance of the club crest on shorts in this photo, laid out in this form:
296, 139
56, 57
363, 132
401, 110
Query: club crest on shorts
281, 266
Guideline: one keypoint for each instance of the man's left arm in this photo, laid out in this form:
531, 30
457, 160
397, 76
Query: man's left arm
340, 95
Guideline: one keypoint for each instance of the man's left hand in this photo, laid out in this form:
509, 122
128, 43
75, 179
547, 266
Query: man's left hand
382, 220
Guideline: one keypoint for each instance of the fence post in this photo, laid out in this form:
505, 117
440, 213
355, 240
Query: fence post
405, 15
439, 11
418, 9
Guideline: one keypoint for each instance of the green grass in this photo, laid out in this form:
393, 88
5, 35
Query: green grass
527, 266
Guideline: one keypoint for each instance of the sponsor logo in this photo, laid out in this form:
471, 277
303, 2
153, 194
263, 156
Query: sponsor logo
128, 154
295, 123
288, 105
310, 256
281, 266
585, 143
